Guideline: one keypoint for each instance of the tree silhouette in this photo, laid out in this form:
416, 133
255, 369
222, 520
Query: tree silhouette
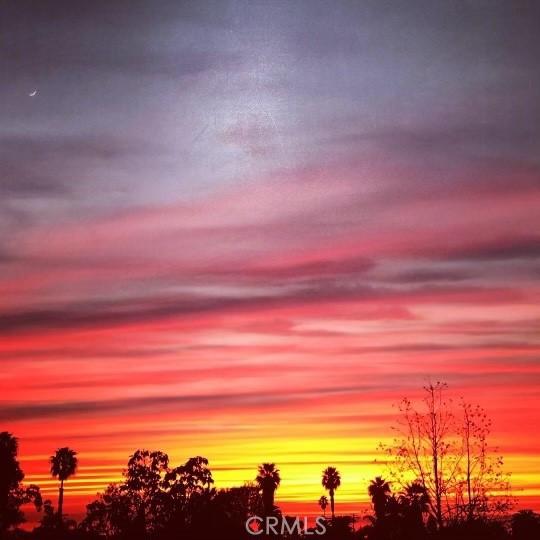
156, 501
187, 492
113, 514
194, 476
416, 496
12, 494
63, 465
331, 480
413, 505
230, 509
446, 450
48, 520
143, 477
397, 517
268, 480
323, 503
525, 525
379, 491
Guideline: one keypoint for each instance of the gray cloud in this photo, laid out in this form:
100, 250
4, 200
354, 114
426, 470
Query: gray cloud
51, 36
97, 314
511, 247
472, 142
49, 165
200, 401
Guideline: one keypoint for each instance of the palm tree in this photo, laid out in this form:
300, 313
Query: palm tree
415, 501
379, 491
268, 480
63, 465
331, 480
323, 503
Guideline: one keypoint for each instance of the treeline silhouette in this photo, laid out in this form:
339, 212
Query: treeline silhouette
448, 487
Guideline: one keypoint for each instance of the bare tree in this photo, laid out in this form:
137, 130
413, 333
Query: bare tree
481, 473
446, 451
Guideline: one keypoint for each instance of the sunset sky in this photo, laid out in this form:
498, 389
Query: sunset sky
245, 230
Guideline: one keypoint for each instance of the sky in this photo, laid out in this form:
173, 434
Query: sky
245, 230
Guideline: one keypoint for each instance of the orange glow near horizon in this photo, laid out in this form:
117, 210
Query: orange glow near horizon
304, 387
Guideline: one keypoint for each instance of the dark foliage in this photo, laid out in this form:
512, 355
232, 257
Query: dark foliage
157, 501
407, 516
13, 494
525, 525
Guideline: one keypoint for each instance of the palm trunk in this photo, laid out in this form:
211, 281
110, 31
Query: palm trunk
265, 504
268, 502
332, 503
61, 502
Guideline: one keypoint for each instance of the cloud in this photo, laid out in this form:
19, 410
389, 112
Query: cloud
101, 314
247, 400
464, 143
106, 39
147, 309
45, 165
518, 247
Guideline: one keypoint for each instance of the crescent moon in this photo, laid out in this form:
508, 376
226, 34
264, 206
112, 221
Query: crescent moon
33, 93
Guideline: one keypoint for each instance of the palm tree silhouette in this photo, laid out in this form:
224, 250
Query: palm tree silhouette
379, 491
323, 503
268, 480
331, 480
415, 501
63, 465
